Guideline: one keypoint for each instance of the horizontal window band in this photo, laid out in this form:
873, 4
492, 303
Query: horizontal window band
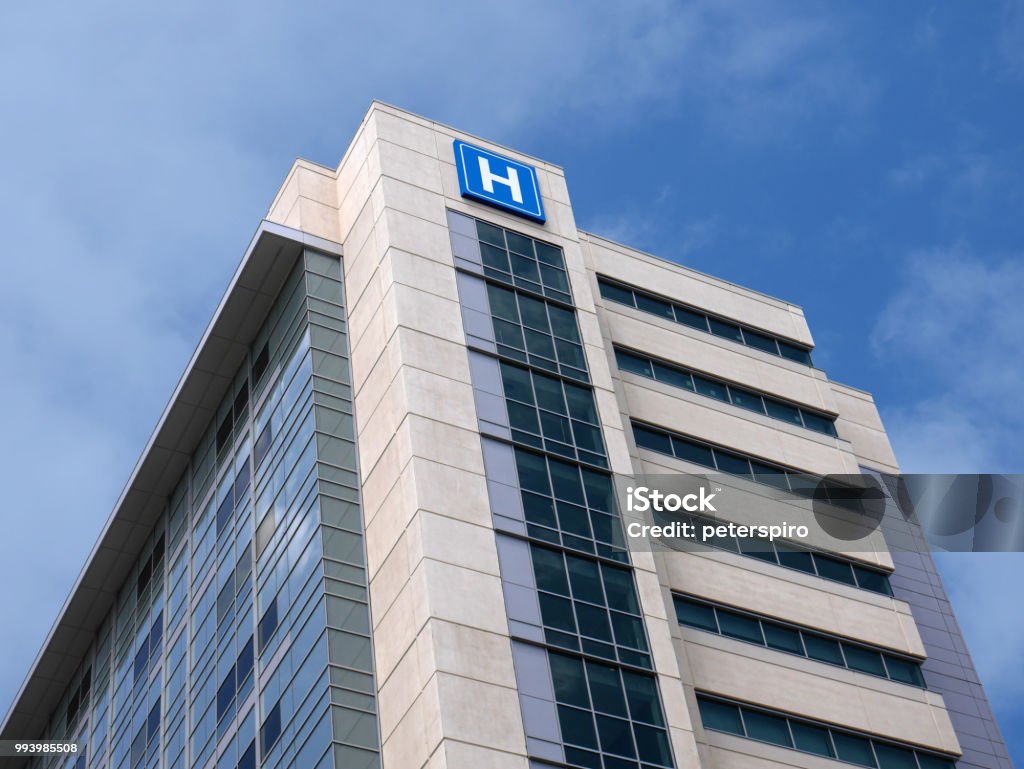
724, 391
698, 451
789, 555
722, 714
798, 640
700, 320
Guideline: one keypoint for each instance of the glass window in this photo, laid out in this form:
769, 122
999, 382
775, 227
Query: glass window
812, 739
692, 319
853, 749
577, 726
268, 624
570, 683
732, 463
633, 363
618, 585
891, 757
833, 569
642, 695
503, 303
585, 578
823, 649
516, 382
740, 626
617, 293
782, 638
655, 306
565, 480
488, 233
533, 312
783, 411
549, 392
594, 622
698, 615
745, 399
581, 403
549, 254
770, 475
226, 694
519, 243
652, 745
794, 353
271, 729
549, 570
710, 389
563, 323
533, 473
556, 612
615, 736
767, 728
819, 424
863, 660
904, 671
720, 716
725, 329
556, 283
760, 341
606, 689
655, 441
673, 376
794, 558
693, 452
494, 257
872, 580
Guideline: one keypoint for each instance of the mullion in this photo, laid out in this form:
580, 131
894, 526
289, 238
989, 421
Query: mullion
508, 274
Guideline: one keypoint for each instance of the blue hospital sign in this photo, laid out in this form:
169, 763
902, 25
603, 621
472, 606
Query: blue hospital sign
498, 181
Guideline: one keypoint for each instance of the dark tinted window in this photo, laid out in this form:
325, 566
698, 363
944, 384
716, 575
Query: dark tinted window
760, 341
696, 615
853, 749
271, 729
720, 716
740, 626
782, 638
812, 739
783, 411
725, 329
794, 353
823, 649
767, 728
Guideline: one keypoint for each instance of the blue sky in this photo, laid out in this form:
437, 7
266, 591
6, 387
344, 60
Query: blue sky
861, 159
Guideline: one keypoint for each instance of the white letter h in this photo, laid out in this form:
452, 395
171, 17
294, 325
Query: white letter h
511, 181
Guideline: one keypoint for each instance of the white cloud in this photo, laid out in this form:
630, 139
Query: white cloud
954, 327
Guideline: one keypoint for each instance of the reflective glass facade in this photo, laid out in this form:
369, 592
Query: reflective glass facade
242, 636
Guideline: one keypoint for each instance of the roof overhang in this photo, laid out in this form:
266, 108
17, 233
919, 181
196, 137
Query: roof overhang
265, 266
